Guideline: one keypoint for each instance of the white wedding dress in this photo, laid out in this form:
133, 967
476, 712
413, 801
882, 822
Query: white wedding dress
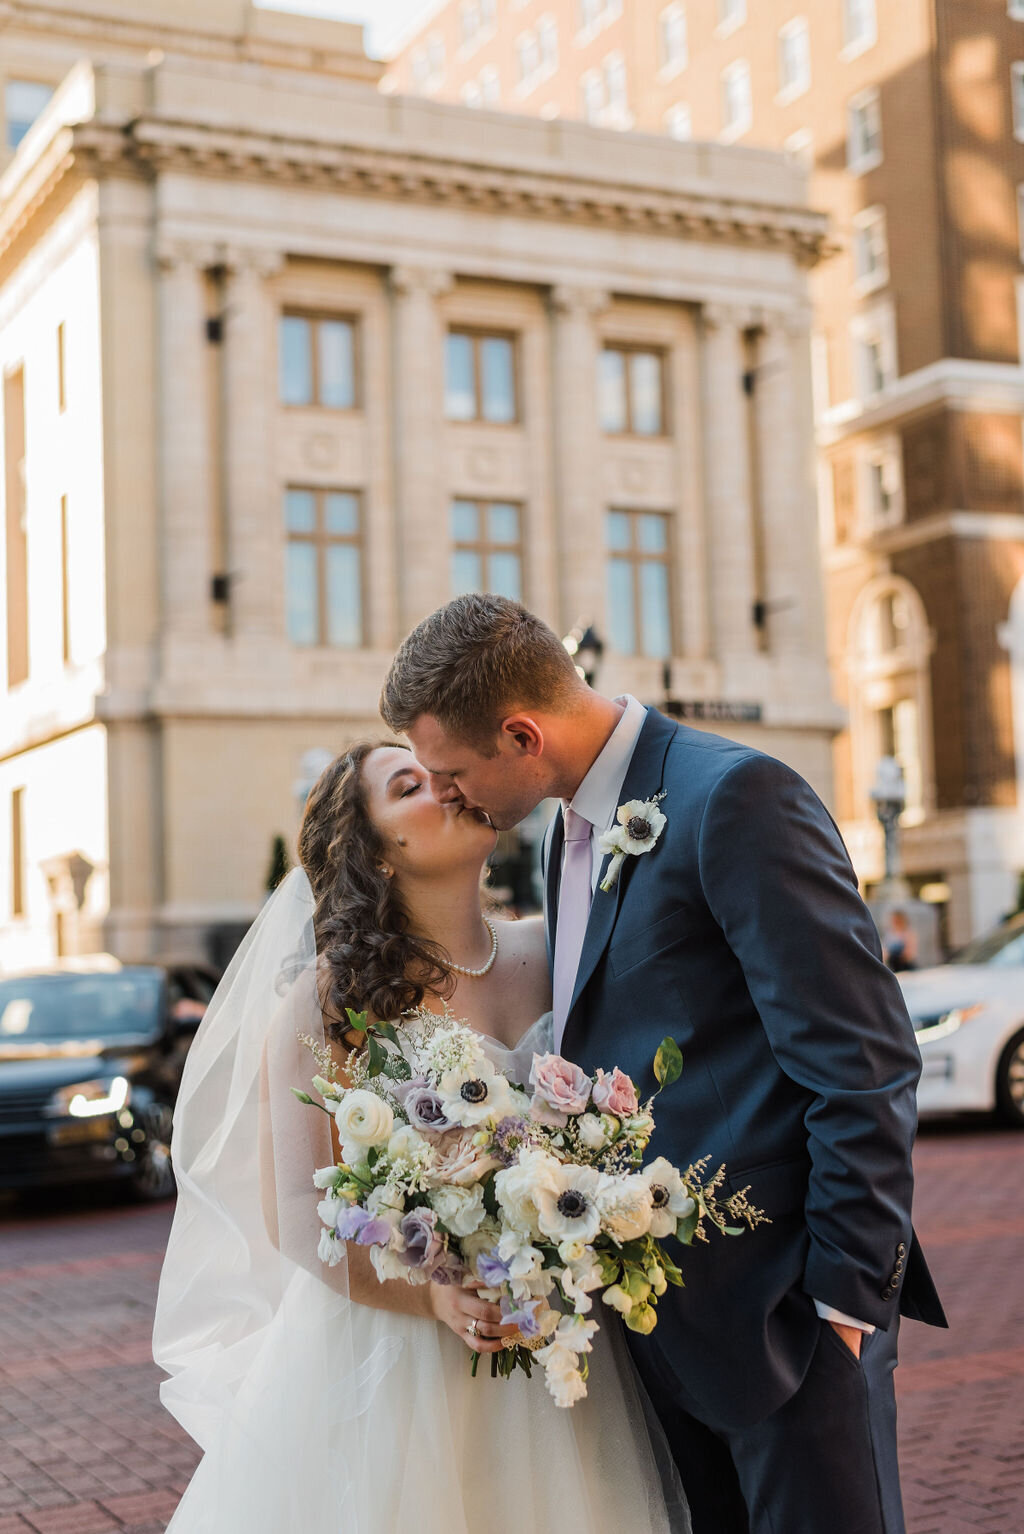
322, 1416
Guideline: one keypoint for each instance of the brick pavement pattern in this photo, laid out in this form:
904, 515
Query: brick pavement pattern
86, 1448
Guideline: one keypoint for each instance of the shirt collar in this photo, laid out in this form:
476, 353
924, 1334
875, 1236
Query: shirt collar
597, 797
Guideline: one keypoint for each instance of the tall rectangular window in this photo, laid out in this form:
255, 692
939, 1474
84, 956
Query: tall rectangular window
639, 584
731, 14
65, 583
62, 385
679, 122
794, 58
737, 100
317, 361
632, 391
672, 42
480, 377
18, 852
487, 552
23, 102
1017, 94
860, 25
16, 532
324, 567
870, 249
864, 131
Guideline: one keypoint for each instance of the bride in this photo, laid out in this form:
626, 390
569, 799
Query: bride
326, 1402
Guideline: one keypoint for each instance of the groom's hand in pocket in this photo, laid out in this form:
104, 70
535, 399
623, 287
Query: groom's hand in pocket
851, 1335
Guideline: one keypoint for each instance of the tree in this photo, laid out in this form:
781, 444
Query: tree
279, 863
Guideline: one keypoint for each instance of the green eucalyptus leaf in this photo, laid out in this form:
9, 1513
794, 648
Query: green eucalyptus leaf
668, 1063
356, 1021
378, 1056
686, 1226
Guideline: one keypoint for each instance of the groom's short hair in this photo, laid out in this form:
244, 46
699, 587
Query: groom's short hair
470, 663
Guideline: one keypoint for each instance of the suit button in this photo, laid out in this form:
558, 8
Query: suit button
887, 1294
899, 1265
901, 1250
894, 1280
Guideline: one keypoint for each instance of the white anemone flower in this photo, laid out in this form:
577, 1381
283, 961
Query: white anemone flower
671, 1202
567, 1207
473, 1093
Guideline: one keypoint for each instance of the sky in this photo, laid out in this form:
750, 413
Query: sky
388, 22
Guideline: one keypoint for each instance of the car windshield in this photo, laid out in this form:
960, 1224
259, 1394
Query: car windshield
1004, 946
80, 1006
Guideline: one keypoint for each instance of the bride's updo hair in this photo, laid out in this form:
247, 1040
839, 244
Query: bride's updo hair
367, 957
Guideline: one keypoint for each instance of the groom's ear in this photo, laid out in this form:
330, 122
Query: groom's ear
522, 735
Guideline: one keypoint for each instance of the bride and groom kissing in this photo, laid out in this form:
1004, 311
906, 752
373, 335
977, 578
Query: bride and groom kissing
692, 886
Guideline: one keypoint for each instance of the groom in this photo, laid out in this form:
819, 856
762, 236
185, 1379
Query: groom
738, 930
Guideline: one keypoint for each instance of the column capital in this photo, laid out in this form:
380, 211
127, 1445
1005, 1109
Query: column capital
726, 316
786, 323
171, 254
427, 280
579, 301
250, 260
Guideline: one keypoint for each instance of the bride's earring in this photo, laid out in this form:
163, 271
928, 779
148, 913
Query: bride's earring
386, 870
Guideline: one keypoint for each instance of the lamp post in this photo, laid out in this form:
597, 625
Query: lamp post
586, 647
889, 796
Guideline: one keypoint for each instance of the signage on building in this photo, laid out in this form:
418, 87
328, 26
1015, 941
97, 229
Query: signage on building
717, 710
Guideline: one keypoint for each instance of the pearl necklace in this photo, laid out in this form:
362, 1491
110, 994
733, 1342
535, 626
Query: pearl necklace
477, 974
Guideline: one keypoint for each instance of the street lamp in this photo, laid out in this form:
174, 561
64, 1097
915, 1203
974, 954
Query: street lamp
889, 796
586, 648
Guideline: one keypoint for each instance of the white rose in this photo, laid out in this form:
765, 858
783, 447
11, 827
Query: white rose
363, 1119
626, 1207
591, 1131
461, 1209
382, 1201
517, 1188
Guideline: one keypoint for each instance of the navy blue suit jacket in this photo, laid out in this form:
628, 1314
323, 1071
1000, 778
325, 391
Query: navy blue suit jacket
742, 934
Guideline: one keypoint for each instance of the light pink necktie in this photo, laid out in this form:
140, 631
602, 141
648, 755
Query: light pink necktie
574, 897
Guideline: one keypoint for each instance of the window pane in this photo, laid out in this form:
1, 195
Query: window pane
337, 364
505, 576
653, 533
23, 102
618, 530
344, 597
645, 382
459, 395
296, 360
612, 390
503, 523
301, 593
621, 625
497, 379
300, 511
341, 513
466, 572
465, 523
654, 615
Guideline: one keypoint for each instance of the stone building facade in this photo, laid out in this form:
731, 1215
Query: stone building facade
286, 361
911, 120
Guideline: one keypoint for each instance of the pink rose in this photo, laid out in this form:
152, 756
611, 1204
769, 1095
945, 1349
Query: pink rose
615, 1094
560, 1088
459, 1161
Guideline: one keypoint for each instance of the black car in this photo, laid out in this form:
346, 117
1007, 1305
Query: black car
91, 1056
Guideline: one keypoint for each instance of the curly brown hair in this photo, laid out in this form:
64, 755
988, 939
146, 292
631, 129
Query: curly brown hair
367, 957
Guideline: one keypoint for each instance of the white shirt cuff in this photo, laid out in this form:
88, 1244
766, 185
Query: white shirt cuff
829, 1313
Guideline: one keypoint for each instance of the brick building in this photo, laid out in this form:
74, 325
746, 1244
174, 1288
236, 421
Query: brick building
910, 115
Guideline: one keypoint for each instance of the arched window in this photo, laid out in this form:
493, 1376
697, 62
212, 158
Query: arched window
890, 691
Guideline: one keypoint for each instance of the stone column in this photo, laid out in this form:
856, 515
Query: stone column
731, 533
186, 501
579, 499
253, 496
791, 571
421, 490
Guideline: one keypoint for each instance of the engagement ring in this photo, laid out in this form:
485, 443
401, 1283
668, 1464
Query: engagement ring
472, 1328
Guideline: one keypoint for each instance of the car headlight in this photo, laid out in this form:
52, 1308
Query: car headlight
930, 1029
88, 1099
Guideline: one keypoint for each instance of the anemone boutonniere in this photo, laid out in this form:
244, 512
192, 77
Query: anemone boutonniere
640, 823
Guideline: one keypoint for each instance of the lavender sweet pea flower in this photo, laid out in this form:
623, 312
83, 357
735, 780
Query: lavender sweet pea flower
350, 1222
492, 1270
423, 1105
422, 1243
524, 1316
374, 1233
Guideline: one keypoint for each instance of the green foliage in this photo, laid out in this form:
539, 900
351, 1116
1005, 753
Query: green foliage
279, 863
668, 1063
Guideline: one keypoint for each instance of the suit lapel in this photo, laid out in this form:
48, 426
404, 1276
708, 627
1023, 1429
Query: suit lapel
552, 880
643, 779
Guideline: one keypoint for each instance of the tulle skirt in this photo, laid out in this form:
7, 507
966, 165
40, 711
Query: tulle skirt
350, 1420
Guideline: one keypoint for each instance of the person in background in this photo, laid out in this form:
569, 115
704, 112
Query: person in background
899, 942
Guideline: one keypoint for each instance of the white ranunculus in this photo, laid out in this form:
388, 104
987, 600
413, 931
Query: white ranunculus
383, 1201
461, 1209
326, 1177
671, 1202
625, 1205
567, 1208
591, 1131
519, 1186
363, 1119
330, 1250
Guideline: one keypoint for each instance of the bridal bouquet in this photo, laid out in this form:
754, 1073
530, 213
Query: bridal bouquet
450, 1171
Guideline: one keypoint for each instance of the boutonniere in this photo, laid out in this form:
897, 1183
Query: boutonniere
640, 823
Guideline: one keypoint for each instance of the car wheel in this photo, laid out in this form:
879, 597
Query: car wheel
1010, 1083
154, 1174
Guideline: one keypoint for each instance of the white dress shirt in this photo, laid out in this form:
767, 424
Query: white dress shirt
597, 799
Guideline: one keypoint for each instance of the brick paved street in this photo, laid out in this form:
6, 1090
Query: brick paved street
85, 1447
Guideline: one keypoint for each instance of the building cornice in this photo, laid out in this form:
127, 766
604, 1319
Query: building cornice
151, 146
954, 383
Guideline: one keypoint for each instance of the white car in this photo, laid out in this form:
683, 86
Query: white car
969, 1020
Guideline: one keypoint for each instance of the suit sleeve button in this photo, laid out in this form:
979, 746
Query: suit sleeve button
901, 1250
899, 1265
887, 1294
